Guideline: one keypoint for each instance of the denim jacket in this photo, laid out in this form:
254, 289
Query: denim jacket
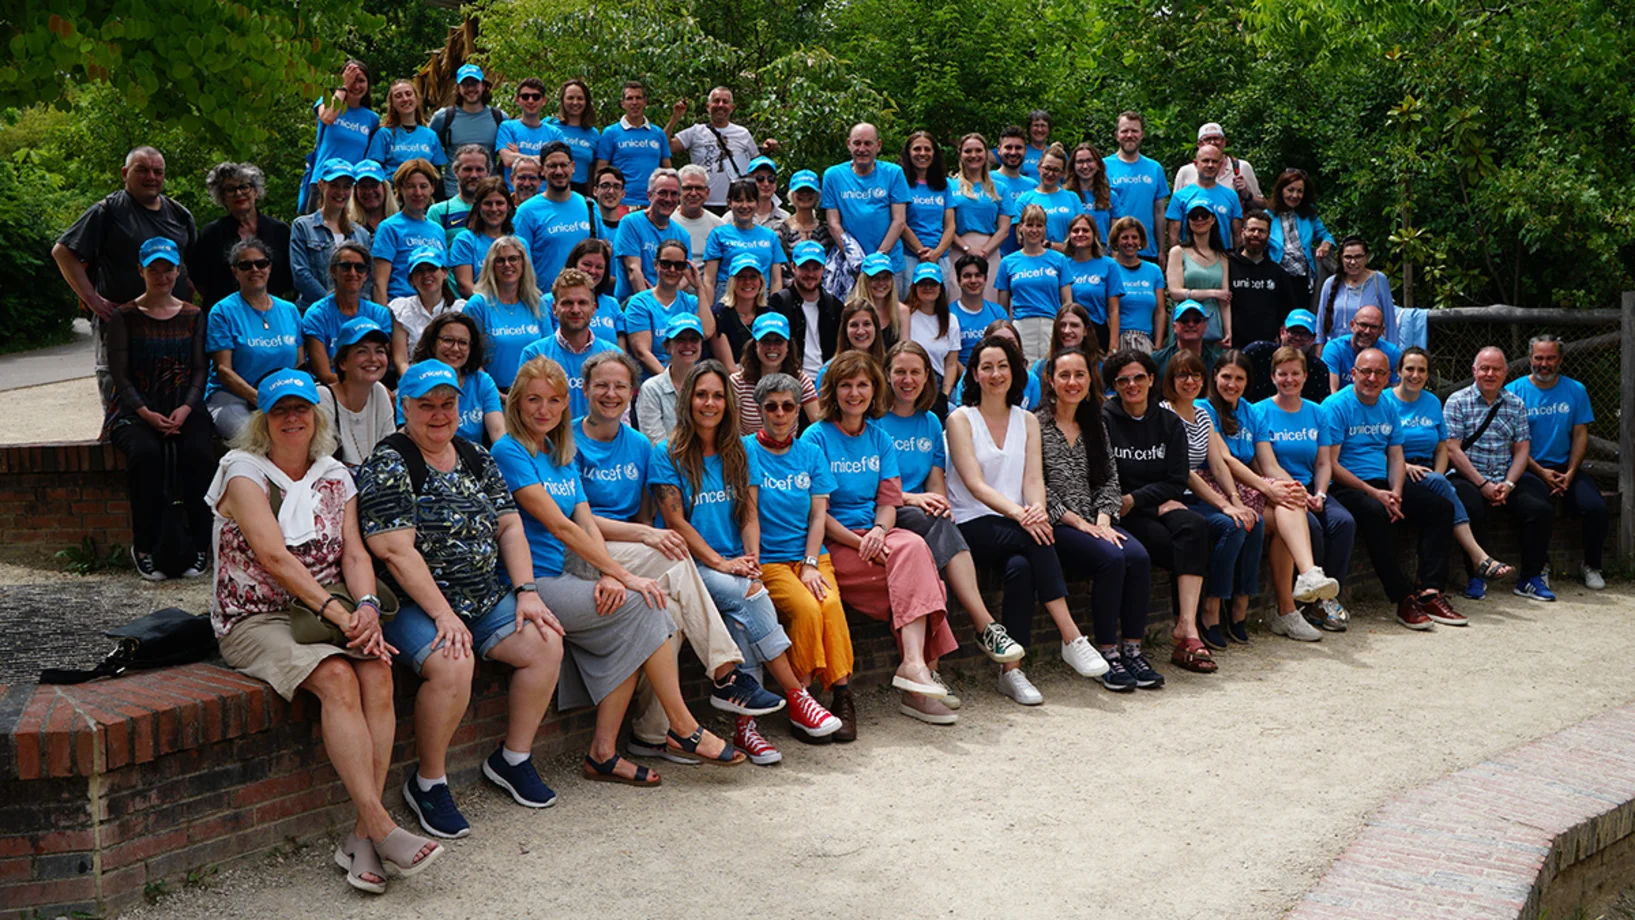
311, 245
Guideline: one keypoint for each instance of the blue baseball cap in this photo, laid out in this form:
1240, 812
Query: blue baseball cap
469, 72
1201, 203
287, 382
744, 261
1302, 319
758, 162
683, 322
876, 263
159, 247
424, 377
357, 329
336, 168
928, 271
770, 324
804, 179
808, 251
368, 169
426, 255
1189, 306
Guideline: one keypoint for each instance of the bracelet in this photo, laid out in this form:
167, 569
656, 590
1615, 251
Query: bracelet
1485, 483
332, 599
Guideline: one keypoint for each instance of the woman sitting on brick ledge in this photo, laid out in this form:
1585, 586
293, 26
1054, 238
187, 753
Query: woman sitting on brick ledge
266, 560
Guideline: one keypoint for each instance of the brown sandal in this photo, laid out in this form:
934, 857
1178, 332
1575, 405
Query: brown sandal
1193, 655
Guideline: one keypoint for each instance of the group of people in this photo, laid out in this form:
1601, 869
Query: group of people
580, 434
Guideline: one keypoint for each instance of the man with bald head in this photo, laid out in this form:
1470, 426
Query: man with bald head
1370, 480
1489, 443
868, 199
1235, 172
1341, 353
1226, 204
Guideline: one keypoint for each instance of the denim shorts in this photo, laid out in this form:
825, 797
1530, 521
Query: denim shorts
412, 631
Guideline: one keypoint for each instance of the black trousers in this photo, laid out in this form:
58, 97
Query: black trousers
1529, 506
144, 450
1032, 570
1177, 541
1431, 513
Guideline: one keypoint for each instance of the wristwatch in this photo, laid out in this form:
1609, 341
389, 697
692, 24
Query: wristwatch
370, 600
526, 587
811, 561
1508, 484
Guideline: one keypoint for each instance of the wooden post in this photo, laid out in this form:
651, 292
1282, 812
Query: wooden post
1626, 434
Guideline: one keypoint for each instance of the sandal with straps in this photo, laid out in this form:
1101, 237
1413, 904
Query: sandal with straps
399, 849
1192, 655
358, 857
604, 772
729, 756
1491, 568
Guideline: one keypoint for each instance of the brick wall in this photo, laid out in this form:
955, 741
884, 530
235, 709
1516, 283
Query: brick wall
53, 495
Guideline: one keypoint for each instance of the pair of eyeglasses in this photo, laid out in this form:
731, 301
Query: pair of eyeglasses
1188, 375
609, 187
350, 266
1131, 380
449, 341
245, 265
508, 260
238, 190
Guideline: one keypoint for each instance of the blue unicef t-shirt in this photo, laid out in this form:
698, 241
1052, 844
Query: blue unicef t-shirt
919, 444
972, 325
788, 483
636, 152
522, 469
392, 147
257, 349
573, 364
637, 236
1035, 282
644, 313
348, 138
711, 505
1363, 432
1340, 356
859, 464
606, 324
323, 321
926, 207
1095, 280
1139, 302
583, 141
478, 397
977, 212
728, 240
1551, 415
614, 472
1102, 216
507, 329
1061, 206
397, 237
529, 141
1139, 186
470, 248
551, 229
1242, 444
1294, 436
1010, 190
864, 203
1222, 200
1422, 425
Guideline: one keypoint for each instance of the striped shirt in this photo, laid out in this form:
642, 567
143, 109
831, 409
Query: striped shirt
749, 412
1198, 432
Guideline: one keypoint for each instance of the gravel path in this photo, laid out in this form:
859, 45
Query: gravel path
1222, 796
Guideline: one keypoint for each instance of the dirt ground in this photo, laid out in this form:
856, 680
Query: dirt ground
66, 411
1218, 796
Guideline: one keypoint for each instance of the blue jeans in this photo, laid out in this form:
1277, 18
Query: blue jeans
1584, 497
752, 621
1439, 484
1234, 556
412, 632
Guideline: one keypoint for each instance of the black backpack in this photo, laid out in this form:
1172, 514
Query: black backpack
175, 552
416, 462
445, 133
162, 639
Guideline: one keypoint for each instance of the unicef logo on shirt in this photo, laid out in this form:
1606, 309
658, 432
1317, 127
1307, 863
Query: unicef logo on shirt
803, 480
869, 464
924, 444
631, 472
1094, 279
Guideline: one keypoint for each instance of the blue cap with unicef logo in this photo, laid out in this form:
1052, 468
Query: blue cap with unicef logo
928, 271
770, 324
683, 322
1301, 319
804, 179
1189, 306
424, 377
368, 169
357, 329
808, 251
759, 162
425, 255
1200, 203
288, 382
469, 72
744, 261
336, 168
876, 263
159, 247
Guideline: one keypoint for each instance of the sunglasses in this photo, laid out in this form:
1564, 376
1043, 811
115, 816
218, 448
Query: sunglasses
778, 408
350, 266
675, 265
1201, 215
245, 265
530, 97
1130, 381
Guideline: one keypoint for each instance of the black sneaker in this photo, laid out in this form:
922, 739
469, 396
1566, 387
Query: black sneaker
145, 565
1145, 677
201, 565
1118, 678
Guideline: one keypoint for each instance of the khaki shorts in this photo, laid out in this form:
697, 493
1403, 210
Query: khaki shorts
263, 647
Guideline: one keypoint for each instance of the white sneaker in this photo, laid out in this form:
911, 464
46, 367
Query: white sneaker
1313, 585
1083, 658
1295, 627
1593, 579
949, 698
1016, 685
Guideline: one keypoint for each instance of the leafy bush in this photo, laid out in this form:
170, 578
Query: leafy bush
36, 307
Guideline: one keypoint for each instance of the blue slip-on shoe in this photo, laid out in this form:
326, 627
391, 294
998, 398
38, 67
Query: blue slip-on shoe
1476, 588
743, 694
1534, 589
522, 780
436, 809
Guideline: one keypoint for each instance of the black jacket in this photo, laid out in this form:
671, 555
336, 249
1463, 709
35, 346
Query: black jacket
207, 258
1151, 453
788, 303
1262, 296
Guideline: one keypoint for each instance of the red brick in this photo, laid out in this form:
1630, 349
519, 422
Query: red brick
16, 870
46, 894
268, 789
219, 826
144, 848
292, 805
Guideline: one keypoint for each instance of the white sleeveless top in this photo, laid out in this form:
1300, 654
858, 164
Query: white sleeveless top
1002, 467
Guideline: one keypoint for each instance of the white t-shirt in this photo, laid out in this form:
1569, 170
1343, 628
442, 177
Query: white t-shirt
359, 432
811, 358
1188, 175
409, 313
704, 149
922, 328
698, 230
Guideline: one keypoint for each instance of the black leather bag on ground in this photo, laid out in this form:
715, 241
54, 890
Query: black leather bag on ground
162, 639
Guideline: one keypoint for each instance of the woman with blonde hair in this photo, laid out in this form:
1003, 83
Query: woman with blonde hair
1033, 283
506, 308
372, 197
878, 289
982, 218
403, 136
313, 236
742, 303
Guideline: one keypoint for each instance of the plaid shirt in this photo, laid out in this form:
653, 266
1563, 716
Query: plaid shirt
1491, 456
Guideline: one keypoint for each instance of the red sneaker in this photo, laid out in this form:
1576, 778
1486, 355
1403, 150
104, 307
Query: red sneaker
1440, 611
747, 738
810, 716
1412, 615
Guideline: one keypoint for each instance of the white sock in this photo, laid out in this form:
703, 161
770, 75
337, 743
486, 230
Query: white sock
426, 784
512, 758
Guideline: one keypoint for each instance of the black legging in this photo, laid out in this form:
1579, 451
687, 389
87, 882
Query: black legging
145, 476
1426, 510
1031, 570
1529, 505
1177, 541
1120, 581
